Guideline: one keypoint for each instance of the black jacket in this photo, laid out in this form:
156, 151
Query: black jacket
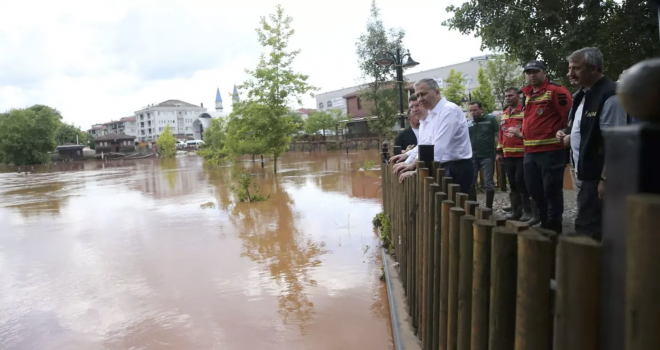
592, 148
405, 138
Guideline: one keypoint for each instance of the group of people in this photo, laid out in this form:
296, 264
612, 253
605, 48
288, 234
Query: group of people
536, 137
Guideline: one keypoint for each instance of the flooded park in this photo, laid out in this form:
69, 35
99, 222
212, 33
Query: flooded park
160, 254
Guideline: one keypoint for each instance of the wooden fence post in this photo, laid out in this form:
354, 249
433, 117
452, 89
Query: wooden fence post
444, 273
578, 297
454, 246
498, 220
440, 197
517, 226
422, 173
452, 190
424, 242
471, 207
461, 198
446, 181
465, 266
642, 273
503, 279
429, 271
483, 213
481, 284
533, 327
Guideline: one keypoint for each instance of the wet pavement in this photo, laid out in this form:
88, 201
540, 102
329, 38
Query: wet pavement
158, 254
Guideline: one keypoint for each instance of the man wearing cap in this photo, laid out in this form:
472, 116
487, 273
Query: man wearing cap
546, 112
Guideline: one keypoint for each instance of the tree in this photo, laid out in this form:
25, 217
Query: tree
68, 133
241, 138
484, 92
167, 143
380, 87
90, 140
455, 87
320, 121
273, 85
27, 136
625, 31
503, 74
299, 121
214, 149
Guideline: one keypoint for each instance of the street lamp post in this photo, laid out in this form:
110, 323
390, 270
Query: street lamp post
387, 60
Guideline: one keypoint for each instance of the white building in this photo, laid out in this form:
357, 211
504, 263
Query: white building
130, 126
334, 99
187, 121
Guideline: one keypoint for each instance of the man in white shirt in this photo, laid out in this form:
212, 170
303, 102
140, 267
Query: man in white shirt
446, 129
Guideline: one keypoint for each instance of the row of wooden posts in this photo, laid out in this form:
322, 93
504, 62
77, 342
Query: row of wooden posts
473, 280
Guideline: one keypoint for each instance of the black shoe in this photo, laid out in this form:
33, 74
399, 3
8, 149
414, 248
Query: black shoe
536, 218
555, 226
490, 195
526, 208
516, 205
507, 209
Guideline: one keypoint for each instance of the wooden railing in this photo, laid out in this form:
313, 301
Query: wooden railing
474, 280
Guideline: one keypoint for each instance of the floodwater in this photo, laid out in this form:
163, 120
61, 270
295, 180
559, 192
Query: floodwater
158, 254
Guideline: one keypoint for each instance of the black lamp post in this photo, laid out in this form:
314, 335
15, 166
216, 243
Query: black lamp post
388, 59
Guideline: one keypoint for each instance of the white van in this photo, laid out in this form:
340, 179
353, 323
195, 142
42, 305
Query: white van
196, 143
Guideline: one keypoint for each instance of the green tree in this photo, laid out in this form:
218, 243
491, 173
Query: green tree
39, 108
503, 74
90, 140
167, 143
454, 89
380, 88
68, 133
626, 31
215, 138
273, 85
484, 92
320, 121
298, 120
27, 136
241, 138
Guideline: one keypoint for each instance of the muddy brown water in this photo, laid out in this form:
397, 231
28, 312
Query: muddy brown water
158, 254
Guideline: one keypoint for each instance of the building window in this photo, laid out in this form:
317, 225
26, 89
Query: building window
359, 103
329, 104
320, 105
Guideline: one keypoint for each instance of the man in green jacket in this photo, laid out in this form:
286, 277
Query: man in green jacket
483, 137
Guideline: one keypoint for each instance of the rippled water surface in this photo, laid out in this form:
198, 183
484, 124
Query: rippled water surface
159, 255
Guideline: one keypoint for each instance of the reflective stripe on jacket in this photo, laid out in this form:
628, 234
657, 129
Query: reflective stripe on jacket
546, 112
511, 146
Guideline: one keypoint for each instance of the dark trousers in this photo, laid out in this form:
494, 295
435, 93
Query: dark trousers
515, 171
590, 210
461, 172
544, 177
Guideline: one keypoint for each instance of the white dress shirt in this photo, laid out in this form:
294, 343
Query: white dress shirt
446, 129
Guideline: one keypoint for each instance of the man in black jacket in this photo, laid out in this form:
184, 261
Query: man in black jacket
408, 137
595, 107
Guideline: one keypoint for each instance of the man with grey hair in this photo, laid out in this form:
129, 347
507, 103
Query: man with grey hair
446, 128
595, 108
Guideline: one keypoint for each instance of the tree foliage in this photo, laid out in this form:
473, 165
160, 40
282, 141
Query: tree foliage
69, 133
28, 135
320, 121
380, 87
273, 86
484, 92
166, 143
503, 73
214, 149
454, 89
625, 31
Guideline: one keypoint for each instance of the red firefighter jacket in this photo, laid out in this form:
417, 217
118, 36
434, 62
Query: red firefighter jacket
546, 112
511, 146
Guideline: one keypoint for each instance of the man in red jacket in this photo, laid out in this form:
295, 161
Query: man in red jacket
546, 112
511, 151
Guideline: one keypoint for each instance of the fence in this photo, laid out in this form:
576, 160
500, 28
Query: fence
473, 280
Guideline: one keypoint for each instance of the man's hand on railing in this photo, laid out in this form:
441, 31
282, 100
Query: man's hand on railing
398, 158
405, 175
403, 167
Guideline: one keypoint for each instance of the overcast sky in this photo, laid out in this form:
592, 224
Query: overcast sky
99, 60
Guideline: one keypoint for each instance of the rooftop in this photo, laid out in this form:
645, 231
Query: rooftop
175, 103
115, 136
128, 119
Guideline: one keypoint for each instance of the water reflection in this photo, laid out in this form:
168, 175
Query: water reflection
155, 254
